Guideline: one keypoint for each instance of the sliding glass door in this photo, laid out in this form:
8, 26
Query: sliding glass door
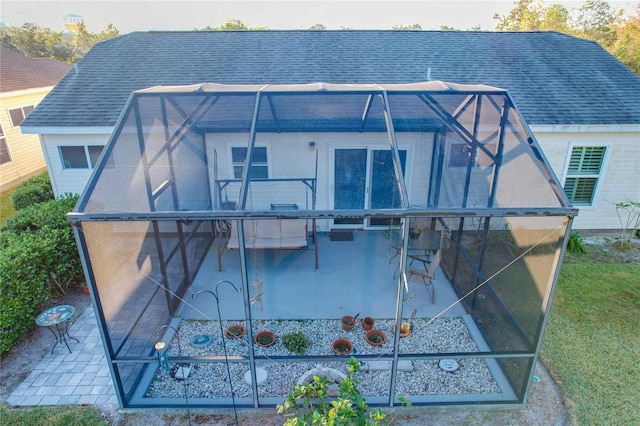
365, 178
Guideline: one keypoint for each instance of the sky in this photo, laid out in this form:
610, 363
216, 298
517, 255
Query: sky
143, 15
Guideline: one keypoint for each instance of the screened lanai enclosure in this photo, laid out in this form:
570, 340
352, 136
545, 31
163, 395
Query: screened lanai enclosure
219, 212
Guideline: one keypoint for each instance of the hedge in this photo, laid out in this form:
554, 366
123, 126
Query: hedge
37, 246
33, 191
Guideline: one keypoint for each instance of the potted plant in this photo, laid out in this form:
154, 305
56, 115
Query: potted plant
264, 339
414, 232
235, 331
342, 346
375, 337
405, 329
296, 342
348, 322
367, 323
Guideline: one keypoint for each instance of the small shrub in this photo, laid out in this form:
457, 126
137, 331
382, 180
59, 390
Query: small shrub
33, 191
311, 403
296, 342
576, 244
629, 216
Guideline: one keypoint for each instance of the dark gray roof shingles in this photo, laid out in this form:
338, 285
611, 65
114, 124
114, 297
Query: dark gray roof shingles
553, 78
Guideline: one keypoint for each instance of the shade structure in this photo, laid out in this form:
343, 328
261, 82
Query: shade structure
290, 206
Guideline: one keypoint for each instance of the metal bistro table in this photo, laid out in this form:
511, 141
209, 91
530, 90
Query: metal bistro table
57, 319
419, 249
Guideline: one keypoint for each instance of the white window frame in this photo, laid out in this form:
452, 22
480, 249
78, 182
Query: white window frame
3, 140
233, 165
599, 176
24, 115
90, 164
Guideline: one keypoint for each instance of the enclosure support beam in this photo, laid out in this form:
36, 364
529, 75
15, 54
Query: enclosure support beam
274, 113
397, 164
365, 113
246, 288
402, 285
499, 153
152, 204
452, 123
474, 148
246, 171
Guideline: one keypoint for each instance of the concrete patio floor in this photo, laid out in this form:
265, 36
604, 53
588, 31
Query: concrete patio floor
353, 276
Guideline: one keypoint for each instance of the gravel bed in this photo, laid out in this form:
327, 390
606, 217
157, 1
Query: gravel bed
209, 380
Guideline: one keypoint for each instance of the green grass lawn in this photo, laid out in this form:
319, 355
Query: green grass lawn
67, 415
592, 342
6, 206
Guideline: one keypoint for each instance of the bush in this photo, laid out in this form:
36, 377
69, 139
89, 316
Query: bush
24, 284
296, 342
33, 191
576, 244
311, 403
38, 258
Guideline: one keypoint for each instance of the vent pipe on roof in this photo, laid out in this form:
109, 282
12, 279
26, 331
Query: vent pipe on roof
75, 68
429, 74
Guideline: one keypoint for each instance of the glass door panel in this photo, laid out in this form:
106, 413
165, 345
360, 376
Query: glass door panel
384, 188
350, 174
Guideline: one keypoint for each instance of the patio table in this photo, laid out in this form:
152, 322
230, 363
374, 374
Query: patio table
57, 319
418, 249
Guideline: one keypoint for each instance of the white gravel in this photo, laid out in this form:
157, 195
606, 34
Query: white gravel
210, 380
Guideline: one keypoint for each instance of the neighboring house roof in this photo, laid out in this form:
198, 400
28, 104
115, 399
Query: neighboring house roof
17, 72
553, 78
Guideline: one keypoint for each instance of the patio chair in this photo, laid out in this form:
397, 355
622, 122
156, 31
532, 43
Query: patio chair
425, 276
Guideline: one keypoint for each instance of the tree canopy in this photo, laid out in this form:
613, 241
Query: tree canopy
595, 20
34, 41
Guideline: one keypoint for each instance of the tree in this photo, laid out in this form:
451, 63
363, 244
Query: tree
34, 41
526, 15
318, 27
232, 24
627, 46
403, 27
597, 21
556, 18
82, 41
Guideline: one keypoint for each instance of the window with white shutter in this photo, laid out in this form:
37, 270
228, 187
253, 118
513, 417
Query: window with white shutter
583, 174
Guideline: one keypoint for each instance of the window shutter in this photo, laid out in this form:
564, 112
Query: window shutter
586, 160
583, 190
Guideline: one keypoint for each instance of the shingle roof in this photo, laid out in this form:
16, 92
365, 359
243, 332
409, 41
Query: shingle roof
553, 78
17, 72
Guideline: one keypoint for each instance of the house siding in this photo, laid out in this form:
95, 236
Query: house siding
27, 159
619, 183
619, 179
299, 160
68, 180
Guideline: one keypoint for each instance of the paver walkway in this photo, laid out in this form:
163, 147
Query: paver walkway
79, 377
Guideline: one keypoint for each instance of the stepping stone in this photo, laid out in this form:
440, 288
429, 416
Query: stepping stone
403, 365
